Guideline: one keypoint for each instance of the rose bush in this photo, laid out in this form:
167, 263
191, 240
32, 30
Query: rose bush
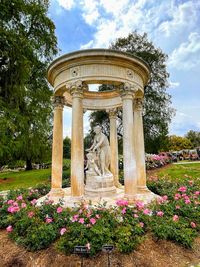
174, 216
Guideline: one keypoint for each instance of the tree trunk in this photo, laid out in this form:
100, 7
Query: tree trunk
28, 164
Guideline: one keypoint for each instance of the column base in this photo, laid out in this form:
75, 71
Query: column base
143, 190
56, 192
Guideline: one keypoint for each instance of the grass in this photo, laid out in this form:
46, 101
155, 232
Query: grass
179, 171
23, 179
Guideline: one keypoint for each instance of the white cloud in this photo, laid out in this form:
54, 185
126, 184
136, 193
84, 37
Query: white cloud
187, 55
66, 4
90, 11
183, 122
173, 85
181, 18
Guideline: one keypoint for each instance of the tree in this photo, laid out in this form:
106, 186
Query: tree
28, 44
67, 148
157, 109
177, 143
194, 138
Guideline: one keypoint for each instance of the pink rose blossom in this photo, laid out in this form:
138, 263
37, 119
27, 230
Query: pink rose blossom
187, 201
191, 182
175, 218
93, 221
31, 214
182, 189
33, 202
97, 216
75, 218
141, 224
13, 209
146, 211
19, 197
59, 209
62, 231
197, 193
49, 220
122, 202
23, 205
139, 205
177, 196
81, 220
9, 228
15, 204
124, 211
135, 216
160, 213
193, 225
178, 207
10, 201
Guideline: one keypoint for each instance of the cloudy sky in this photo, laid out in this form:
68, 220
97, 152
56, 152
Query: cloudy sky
172, 25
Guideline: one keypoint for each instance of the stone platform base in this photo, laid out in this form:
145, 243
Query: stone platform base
71, 202
99, 186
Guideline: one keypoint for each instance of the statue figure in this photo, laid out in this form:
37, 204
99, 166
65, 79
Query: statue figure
102, 149
91, 165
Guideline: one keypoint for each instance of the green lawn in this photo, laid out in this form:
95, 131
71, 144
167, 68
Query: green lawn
178, 171
23, 179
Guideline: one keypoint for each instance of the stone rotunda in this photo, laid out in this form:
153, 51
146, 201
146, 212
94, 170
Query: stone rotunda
70, 76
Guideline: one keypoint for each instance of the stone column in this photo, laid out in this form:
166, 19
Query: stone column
57, 148
130, 173
139, 146
114, 168
77, 149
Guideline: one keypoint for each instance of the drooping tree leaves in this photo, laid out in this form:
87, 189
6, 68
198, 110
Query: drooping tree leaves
27, 45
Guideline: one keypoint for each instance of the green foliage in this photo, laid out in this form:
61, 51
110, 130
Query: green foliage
157, 109
194, 138
176, 143
67, 148
175, 216
27, 45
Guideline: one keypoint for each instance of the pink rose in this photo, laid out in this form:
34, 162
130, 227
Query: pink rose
49, 220
197, 193
97, 216
175, 218
122, 202
135, 216
139, 205
75, 218
178, 207
9, 228
177, 196
81, 220
160, 213
62, 231
124, 211
193, 225
31, 214
182, 189
141, 224
10, 201
146, 211
93, 221
23, 205
33, 202
187, 201
59, 209
19, 197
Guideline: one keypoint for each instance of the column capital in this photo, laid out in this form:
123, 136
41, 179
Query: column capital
77, 88
112, 113
58, 101
138, 104
127, 90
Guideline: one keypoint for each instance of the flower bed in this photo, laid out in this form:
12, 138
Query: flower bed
154, 161
175, 216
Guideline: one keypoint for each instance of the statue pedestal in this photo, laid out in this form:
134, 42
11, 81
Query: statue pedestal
99, 186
